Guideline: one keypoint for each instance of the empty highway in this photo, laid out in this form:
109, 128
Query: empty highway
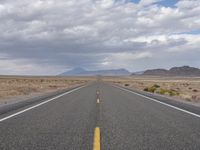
100, 116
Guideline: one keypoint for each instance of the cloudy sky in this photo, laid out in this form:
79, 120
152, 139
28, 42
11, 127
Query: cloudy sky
43, 37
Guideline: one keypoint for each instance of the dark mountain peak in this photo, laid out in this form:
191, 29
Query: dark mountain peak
156, 72
175, 71
185, 70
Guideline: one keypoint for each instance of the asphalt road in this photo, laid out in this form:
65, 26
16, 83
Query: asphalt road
99, 116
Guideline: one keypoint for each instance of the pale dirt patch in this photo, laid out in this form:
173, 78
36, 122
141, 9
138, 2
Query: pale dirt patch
13, 88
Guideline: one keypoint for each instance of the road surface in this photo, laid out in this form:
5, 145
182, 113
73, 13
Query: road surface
99, 116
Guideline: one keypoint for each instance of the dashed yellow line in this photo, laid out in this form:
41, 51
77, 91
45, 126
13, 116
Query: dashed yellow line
96, 142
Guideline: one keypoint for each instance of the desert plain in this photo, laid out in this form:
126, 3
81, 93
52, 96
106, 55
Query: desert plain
186, 89
14, 88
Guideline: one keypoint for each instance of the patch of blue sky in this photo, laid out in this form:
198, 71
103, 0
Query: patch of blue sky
134, 1
194, 32
168, 3
165, 3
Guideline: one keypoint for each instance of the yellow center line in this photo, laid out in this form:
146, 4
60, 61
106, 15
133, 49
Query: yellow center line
96, 142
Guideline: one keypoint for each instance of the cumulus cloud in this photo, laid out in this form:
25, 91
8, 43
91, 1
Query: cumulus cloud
124, 59
95, 34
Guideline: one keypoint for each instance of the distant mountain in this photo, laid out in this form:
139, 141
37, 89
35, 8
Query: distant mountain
82, 72
137, 73
74, 71
185, 71
156, 72
175, 71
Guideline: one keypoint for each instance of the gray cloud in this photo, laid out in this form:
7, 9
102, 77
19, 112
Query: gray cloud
49, 36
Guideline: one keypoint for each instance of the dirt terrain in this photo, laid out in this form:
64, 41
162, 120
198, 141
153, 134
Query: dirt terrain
180, 88
15, 87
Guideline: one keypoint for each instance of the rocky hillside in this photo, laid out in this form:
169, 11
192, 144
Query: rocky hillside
175, 71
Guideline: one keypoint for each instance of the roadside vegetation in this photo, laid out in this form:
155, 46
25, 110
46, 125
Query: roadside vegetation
157, 89
182, 88
14, 87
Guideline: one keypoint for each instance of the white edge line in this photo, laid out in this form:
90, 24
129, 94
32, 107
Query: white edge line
37, 105
163, 103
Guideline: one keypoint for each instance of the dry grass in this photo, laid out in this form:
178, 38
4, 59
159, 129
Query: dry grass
15, 86
181, 88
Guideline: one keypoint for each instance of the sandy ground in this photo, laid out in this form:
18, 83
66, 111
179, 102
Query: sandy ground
188, 88
15, 88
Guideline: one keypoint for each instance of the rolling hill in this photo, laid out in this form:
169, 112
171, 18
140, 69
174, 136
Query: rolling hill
175, 71
82, 72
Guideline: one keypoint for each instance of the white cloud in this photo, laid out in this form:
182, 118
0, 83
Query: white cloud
26, 67
105, 3
131, 56
118, 60
105, 30
147, 2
